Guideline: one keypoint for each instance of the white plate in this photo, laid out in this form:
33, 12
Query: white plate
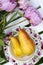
30, 60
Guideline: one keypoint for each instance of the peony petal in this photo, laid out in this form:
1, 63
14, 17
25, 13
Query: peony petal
7, 5
35, 19
11, 6
4, 6
32, 14
4, 1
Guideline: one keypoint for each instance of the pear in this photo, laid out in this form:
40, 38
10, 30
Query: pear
15, 47
27, 44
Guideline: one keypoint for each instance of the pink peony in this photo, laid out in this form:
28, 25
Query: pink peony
7, 5
32, 14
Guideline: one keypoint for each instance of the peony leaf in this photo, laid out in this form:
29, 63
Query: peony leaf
1, 42
15, 17
40, 61
1, 59
0, 48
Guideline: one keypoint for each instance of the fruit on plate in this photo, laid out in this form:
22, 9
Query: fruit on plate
27, 44
15, 47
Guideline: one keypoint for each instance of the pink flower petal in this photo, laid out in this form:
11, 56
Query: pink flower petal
4, 6
11, 6
4, 1
7, 5
32, 14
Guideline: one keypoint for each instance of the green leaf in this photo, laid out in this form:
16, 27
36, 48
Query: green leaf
20, 14
0, 48
1, 42
5, 62
4, 22
0, 64
1, 59
2, 55
40, 61
13, 17
2, 35
3, 15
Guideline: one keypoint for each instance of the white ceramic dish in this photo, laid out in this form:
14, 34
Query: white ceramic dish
29, 60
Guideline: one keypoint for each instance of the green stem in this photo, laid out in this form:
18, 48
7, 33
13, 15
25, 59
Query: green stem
4, 62
16, 24
4, 21
13, 18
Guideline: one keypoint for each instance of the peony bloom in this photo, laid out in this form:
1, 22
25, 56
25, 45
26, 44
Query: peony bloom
32, 14
7, 5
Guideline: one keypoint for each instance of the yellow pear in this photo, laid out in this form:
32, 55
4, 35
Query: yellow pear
15, 46
27, 44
